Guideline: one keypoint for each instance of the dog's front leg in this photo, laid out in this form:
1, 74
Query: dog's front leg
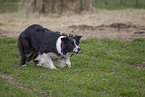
60, 63
68, 63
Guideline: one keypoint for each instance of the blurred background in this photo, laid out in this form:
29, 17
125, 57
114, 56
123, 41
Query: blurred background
62, 5
114, 19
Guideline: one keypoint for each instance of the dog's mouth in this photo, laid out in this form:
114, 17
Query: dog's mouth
76, 51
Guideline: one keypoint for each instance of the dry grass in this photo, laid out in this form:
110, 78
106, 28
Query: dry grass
14, 23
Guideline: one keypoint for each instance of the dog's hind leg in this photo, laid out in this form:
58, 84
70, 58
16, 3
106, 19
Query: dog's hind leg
49, 62
45, 61
25, 49
29, 57
23, 61
21, 49
36, 60
60, 63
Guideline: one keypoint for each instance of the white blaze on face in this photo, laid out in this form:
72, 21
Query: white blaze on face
77, 48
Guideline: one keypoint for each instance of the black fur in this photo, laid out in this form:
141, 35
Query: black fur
36, 40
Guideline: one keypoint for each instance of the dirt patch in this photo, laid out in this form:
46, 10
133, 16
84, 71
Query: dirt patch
116, 31
141, 66
100, 24
10, 79
121, 26
118, 26
2, 32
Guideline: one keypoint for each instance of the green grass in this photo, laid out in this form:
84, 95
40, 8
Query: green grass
104, 68
115, 4
8, 7
9, 90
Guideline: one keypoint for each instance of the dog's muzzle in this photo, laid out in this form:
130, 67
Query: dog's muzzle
76, 50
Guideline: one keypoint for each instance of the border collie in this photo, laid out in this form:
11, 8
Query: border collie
46, 47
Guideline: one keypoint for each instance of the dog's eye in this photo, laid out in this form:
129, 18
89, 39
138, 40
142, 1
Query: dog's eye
72, 43
77, 43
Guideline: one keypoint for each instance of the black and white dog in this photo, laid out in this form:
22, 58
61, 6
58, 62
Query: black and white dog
46, 47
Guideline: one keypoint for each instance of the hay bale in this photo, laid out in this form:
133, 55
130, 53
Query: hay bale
28, 6
54, 6
60, 6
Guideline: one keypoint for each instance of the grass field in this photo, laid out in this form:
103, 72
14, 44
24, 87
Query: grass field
8, 6
104, 68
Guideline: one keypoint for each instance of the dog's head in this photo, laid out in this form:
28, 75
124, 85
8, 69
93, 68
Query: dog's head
70, 44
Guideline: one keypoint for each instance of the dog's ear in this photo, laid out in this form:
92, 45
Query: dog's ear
64, 39
77, 38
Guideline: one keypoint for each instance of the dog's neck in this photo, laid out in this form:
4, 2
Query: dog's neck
59, 45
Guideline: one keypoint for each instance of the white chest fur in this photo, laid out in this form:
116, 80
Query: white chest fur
48, 60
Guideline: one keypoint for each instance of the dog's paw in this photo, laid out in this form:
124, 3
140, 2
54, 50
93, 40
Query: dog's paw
39, 64
68, 65
24, 65
54, 68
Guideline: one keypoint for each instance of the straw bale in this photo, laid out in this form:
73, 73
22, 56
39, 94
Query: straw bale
54, 6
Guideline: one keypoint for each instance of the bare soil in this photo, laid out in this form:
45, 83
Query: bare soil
116, 31
117, 24
10, 79
141, 66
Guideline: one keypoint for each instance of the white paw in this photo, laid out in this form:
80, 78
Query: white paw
53, 68
24, 65
49, 66
68, 65
39, 64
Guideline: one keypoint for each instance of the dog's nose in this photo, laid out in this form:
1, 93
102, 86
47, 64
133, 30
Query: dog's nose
79, 49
